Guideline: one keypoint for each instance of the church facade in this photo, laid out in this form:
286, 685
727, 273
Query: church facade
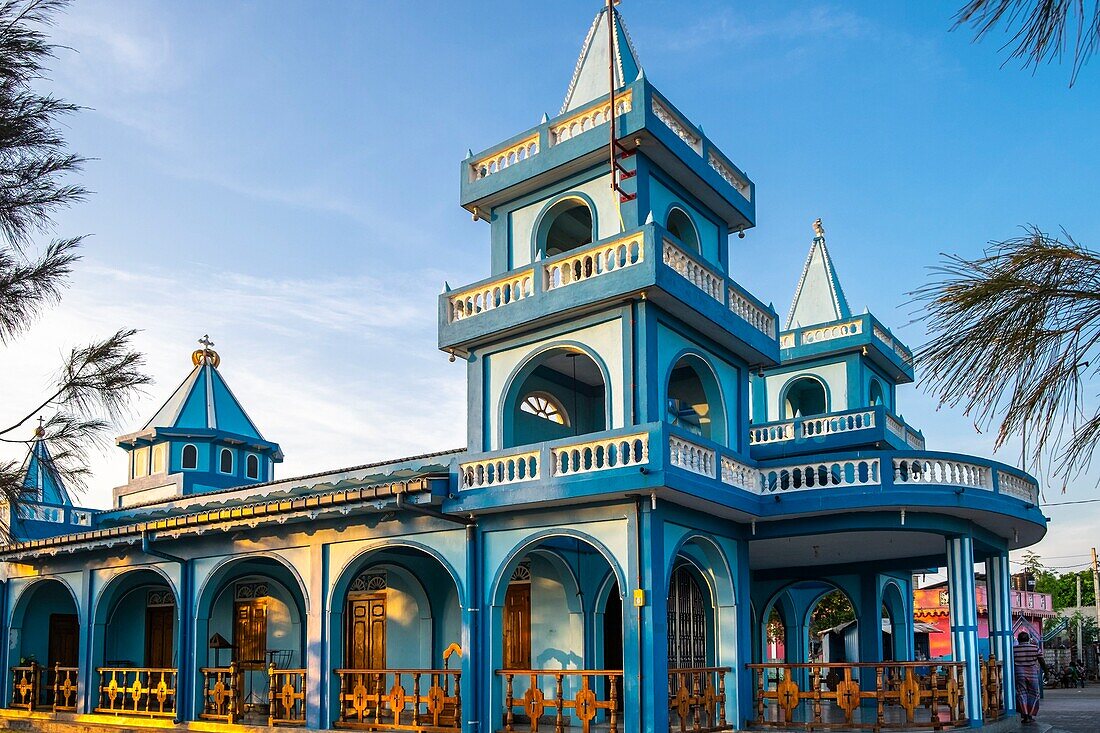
656, 468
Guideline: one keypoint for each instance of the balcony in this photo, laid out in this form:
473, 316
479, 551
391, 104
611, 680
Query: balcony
871, 427
646, 262
861, 332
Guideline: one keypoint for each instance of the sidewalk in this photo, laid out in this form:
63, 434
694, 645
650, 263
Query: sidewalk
1068, 711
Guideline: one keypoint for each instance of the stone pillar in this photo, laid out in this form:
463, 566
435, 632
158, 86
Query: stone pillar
316, 675
869, 627
997, 579
962, 597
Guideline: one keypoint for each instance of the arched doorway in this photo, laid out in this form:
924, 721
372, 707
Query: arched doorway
805, 397
251, 636
834, 632
553, 642
136, 654
567, 225
397, 623
897, 625
695, 400
45, 639
559, 393
681, 226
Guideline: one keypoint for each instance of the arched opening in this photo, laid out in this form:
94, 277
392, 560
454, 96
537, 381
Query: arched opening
553, 641
834, 632
875, 396
690, 610
805, 397
45, 641
681, 226
137, 617
897, 625
565, 226
251, 613
252, 466
775, 636
396, 618
560, 393
694, 399
225, 460
190, 459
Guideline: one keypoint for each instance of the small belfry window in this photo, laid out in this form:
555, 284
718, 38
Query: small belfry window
543, 405
682, 227
252, 466
190, 458
225, 461
876, 397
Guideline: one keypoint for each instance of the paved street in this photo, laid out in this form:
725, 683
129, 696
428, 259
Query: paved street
1068, 711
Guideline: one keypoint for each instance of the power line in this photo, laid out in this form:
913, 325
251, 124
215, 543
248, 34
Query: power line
1064, 503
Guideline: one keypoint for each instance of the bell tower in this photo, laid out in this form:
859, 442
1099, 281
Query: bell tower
609, 302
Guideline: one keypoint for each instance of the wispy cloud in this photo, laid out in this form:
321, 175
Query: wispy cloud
735, 26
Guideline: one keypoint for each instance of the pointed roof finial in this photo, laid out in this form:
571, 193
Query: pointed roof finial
206, 355
819, 230
818, 297
589, 80
40, 431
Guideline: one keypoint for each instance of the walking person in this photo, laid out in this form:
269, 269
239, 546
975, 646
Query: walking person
1027, 662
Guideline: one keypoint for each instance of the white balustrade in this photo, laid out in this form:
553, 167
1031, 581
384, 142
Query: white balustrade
590, 118
756, 316
691, 456
499, 471
896, 346
507, 157
594, 261
895, 426
773, 433
729, 176
826, 474
914, 440
735, 473
786, 340
492, 295
692, 271
829, 424
1021, 488
828, 333
943, 471
600, 455
678, 126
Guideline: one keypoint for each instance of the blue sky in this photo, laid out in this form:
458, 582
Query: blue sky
284, 176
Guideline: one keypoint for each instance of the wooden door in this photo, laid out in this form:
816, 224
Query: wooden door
64, 646
159, 627
517, 626
366, 632
250, 633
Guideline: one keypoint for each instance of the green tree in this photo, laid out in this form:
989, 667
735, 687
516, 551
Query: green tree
832, 610
95, 380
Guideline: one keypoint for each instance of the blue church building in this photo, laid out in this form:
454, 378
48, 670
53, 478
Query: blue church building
661, 481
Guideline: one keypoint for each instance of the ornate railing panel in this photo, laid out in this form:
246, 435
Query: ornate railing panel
691, 456
490, 296
400, 699
61, 688
992, 679
694, 272
499, 471
590, 118
594, 261
756, 316
144, 691
697, 699
682, 130
25, 683
940, 471
826, 474
729, 176
735, 473
506, 157
590, 698
829, 695
828, 333
830, 424
221, 693
1021, 488
600, 455
286, 692
773, 433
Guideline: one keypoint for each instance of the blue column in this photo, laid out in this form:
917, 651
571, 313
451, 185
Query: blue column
1000, 622
645, 634
188, 664
964, 620
869, 627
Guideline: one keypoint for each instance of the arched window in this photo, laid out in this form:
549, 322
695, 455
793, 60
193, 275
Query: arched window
225, 461
805, 397
190, 457
545, 406
687, 621
252, 466
875, 397
567, 225
682, 227
694, 400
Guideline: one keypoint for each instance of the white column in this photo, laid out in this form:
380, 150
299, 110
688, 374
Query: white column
1000, 622
963, 599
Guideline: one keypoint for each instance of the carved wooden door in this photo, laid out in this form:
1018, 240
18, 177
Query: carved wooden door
159, 626
366, 640
517, 626
250, 633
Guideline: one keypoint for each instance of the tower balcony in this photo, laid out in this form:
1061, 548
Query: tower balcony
868, 427
863, 332
647, 263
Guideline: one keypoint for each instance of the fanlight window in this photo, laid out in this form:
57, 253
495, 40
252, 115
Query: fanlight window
543, 405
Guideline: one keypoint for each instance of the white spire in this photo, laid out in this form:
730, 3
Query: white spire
590, 75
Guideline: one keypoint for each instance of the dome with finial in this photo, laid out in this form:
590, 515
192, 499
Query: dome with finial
206, 355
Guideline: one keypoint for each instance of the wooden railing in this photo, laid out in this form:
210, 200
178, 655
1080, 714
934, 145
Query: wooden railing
899, 695
145, 691
286, 696
61, 688
555, 698
697, 699
992, 678
400, 699
25, 683
220, 693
